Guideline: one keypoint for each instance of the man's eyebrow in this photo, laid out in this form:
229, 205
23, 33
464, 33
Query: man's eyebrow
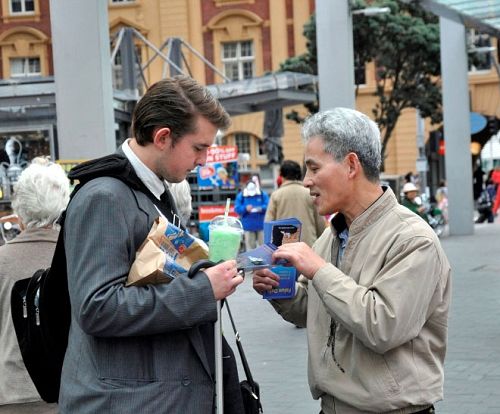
309, 162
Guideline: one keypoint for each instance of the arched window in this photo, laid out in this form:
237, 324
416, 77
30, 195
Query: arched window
237, 43
24, 52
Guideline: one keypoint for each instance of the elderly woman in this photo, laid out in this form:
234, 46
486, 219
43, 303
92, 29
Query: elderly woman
40, 195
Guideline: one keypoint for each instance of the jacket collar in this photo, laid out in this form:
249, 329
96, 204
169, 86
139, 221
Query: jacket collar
291, 183
36, 235
383, 204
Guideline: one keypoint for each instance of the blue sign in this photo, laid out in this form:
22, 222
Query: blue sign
477, 122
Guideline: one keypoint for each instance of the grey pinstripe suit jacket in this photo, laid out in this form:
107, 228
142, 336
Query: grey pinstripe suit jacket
131, 349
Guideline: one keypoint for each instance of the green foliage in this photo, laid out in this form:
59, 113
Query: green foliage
404, 45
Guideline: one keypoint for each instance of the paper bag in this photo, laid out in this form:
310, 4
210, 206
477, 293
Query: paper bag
168, 252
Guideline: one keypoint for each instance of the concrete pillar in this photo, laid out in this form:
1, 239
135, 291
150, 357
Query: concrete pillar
456, 111
335, 54
84, 94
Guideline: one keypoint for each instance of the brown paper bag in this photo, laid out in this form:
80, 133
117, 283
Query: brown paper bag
168, 252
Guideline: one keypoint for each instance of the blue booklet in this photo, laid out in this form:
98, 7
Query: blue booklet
276, 233
282, 231
286, 288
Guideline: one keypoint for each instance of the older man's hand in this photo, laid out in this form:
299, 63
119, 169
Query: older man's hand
301, 256
264, 280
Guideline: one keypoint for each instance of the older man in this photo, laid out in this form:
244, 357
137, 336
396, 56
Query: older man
375, 289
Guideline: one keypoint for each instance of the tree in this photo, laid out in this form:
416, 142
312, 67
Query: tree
404, 45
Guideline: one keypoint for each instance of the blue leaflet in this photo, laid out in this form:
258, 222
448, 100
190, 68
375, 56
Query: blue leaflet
286, 288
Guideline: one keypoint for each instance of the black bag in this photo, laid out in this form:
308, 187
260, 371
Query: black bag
41, 312
250, 390
484, 203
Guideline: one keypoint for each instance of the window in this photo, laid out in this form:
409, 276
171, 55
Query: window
479, 50
117, 70
359, 71
22, 6
21, 67
238, 60
242, 141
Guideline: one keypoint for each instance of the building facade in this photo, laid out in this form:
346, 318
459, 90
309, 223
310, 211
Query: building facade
243, 39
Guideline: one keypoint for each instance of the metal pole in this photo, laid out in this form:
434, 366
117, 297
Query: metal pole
456, 114
219, 384
422, 166
335, 54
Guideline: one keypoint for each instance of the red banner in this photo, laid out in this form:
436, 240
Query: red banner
207, 213
222, 154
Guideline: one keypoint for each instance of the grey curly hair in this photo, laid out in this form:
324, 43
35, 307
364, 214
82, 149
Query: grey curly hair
41, 194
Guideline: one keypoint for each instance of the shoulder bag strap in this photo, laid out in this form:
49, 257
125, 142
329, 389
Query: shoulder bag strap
244, 362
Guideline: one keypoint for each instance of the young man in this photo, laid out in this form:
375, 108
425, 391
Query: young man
143, 349
375, 290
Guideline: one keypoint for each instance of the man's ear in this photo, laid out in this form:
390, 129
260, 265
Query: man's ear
353, 164
162, 137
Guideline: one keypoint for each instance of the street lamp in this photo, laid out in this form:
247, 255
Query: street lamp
371, 11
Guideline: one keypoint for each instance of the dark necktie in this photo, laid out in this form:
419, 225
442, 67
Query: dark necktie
169, 208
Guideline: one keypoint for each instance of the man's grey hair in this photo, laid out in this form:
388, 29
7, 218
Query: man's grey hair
41, 194
345, 130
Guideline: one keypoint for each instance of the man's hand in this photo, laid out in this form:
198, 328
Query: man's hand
224, 278
264, 279
300, 256
249, 208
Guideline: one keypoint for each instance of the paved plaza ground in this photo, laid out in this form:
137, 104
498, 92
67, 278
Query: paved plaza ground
277, 351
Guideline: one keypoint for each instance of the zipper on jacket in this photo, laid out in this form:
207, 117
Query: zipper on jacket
25, 308
37, 308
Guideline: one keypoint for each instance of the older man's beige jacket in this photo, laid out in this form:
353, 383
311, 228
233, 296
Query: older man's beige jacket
389, 302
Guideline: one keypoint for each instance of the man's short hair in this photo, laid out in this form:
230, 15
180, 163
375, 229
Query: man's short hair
176, 103
345, 130
290, 170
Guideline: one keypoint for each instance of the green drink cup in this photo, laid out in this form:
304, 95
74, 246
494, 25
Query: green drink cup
224, 238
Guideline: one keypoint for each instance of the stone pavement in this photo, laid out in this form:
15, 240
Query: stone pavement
277, 351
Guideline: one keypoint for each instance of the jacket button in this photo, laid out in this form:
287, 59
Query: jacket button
186, 381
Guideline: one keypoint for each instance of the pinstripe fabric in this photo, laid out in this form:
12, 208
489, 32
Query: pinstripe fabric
136, 348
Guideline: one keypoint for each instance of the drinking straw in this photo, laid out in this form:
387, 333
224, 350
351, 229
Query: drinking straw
226, 212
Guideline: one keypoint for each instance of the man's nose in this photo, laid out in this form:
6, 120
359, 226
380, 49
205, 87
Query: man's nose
307, 182
201, 159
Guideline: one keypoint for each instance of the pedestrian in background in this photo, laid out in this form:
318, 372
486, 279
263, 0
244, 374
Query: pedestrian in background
442, 199
181, 192
484, 203
251, 205
374, 291
410, 192
292, 199
495, 178
40, 195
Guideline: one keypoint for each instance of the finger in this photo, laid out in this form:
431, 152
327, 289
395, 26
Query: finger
237, 280
262, 287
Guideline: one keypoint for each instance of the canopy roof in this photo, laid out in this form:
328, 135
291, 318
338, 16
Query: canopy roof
483, 15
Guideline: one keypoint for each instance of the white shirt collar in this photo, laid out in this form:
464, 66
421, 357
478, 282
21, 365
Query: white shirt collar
148, 177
